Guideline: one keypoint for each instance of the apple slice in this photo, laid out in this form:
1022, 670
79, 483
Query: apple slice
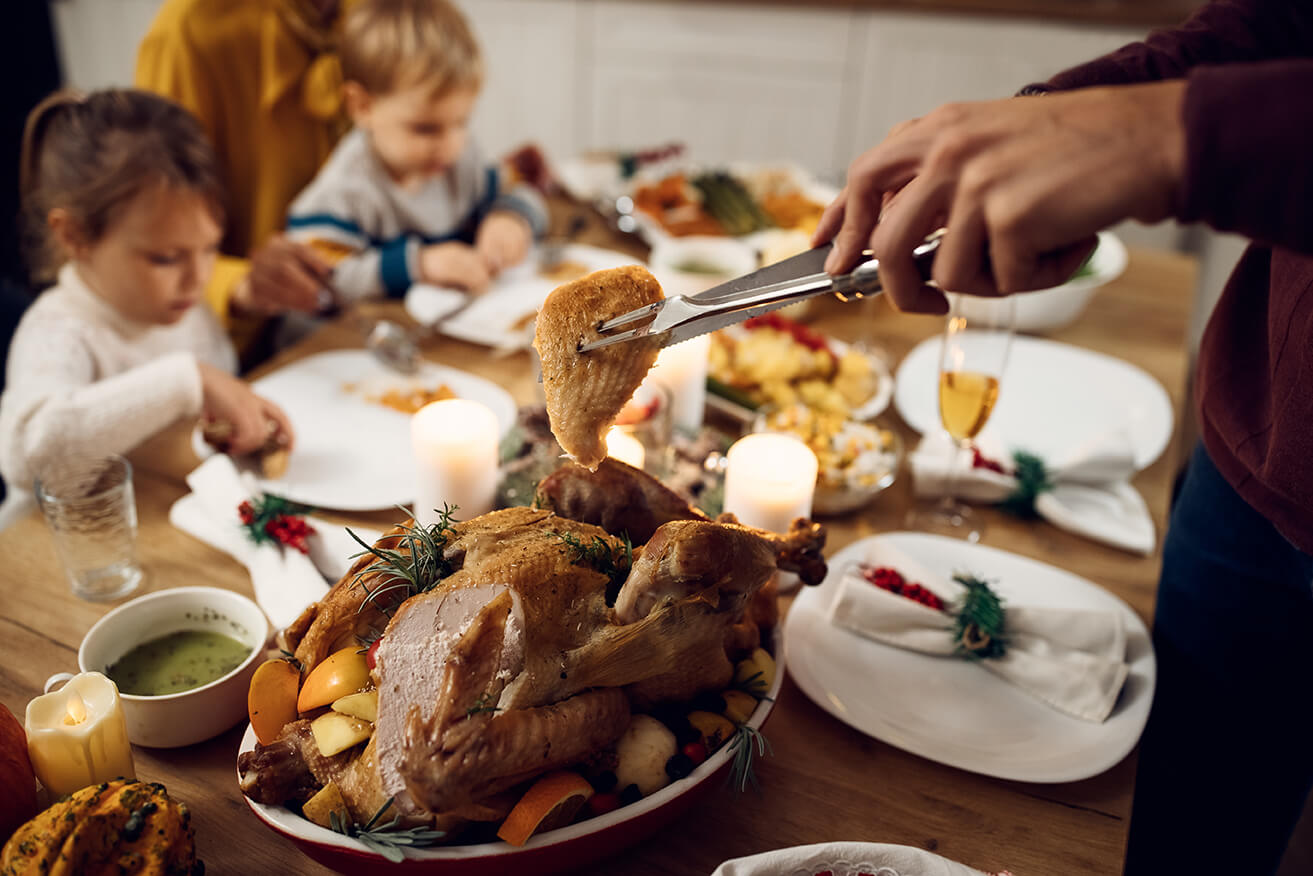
341, 673
335, 732
363, 705
271, 699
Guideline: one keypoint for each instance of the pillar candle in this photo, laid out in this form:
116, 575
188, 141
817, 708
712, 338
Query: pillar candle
77, 736
625, 447
455, 445
682, 369
769, 480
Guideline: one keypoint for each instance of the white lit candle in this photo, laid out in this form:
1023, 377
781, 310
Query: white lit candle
455, 444
77, 736
682, 369
769, 480
625, 447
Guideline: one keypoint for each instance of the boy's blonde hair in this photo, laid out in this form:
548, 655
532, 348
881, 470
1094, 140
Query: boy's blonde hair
391, 44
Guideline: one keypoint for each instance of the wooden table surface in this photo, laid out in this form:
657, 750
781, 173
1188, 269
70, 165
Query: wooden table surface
826, 781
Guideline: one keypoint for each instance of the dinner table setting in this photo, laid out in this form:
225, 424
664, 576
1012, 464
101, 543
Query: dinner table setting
947, 669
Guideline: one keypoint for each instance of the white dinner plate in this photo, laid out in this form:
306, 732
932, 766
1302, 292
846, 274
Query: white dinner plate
351, 453
950, 710
845, 859
1052, 398
503, 316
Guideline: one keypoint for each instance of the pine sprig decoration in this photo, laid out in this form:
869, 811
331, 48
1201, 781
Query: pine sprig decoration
1032, 480
978, 620
747, 745
386, 839
402, 574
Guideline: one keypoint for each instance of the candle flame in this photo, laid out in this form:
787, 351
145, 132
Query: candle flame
77, 709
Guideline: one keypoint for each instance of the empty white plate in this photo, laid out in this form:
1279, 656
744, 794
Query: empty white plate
1052, 397
352, 453
949, 710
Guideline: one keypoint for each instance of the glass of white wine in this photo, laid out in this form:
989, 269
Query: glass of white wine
975, 351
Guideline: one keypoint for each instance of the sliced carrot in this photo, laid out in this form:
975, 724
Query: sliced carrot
552, 802
271, 699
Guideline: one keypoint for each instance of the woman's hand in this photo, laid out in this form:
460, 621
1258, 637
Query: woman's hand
254, 419
454, 264
503, 240
285, 275
1022, 186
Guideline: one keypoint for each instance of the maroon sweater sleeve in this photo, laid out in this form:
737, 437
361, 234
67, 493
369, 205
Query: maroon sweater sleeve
1222, 32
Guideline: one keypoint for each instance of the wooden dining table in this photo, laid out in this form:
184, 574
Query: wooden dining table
825, 780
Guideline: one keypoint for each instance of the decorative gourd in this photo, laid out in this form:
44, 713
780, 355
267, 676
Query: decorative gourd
119, 827
18, 802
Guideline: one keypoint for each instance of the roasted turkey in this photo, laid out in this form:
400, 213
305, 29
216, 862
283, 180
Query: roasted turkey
535, 638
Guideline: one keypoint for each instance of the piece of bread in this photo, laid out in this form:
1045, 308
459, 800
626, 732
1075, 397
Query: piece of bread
272, 456
585, 391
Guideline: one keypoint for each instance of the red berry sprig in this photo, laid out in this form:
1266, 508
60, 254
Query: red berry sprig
891, 580
275, 520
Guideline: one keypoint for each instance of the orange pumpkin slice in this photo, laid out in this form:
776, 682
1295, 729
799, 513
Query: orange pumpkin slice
552, 802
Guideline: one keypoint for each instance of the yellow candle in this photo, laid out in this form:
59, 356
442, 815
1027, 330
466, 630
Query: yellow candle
625, 447
769, 480
455, 444
77, 736
682, 369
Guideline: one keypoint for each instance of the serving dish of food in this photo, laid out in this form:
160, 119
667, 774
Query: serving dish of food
856, 459
774, 361
426, 696
736, 200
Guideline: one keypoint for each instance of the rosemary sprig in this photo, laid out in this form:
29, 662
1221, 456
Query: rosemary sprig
742, 770
483, 704
386, 839
754, 684
978, 620
614, 563
405, 573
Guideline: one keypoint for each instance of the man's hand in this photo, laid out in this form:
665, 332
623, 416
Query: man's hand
503, 240
454, 264
285, 275
1022, 186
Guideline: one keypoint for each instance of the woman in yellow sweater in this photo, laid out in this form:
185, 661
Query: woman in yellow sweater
262, 78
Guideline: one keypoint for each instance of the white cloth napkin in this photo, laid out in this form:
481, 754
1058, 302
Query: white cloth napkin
285, 580
845, 859
1072, 659
1091, 497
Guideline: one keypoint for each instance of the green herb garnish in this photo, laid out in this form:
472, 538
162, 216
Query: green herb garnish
404, 574
483, 704
742, 770
386, 839
599, 554
1032, 480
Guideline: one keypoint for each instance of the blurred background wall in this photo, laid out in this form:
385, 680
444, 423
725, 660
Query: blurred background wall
810, 83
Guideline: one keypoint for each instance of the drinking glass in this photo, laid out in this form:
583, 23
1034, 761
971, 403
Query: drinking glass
88, 503
972, 359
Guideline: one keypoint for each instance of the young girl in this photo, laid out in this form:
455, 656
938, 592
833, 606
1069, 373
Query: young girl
121, 188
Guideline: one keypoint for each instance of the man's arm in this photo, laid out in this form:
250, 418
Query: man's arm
1222, 32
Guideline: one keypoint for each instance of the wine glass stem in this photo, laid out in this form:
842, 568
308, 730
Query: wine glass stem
960, 449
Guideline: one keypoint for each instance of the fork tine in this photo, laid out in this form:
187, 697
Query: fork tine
632, 316
607, 340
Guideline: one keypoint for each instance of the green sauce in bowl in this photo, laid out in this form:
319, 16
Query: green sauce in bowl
177, 662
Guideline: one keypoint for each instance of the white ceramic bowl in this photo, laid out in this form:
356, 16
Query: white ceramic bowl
1051, 309
198, 714
689, 265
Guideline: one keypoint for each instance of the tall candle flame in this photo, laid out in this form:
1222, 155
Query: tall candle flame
77, 709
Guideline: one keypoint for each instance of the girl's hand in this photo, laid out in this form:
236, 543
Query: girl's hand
454, 264
255, 420
503, 240
1021, 184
